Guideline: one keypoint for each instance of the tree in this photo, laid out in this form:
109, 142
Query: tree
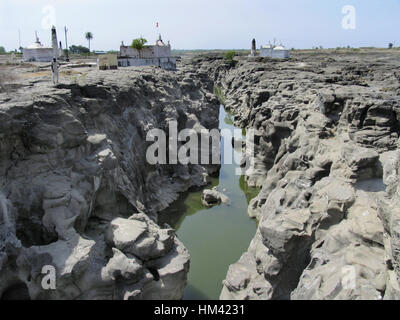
78, 50
390, 45
138, 44
2, 50
89, 37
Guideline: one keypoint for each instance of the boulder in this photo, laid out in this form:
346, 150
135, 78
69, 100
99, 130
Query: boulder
212, 198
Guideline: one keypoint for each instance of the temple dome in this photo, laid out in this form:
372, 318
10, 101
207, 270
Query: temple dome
159, 42
36, 45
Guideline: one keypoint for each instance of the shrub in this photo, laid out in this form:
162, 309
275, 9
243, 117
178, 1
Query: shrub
229, 56
219, 94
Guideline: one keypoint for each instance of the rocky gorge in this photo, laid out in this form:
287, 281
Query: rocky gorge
327, 158
78, 194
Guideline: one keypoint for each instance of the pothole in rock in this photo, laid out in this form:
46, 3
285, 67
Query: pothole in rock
31, 232
371, 185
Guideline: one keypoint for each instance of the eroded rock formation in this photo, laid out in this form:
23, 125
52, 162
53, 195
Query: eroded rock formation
77, 193
326, 138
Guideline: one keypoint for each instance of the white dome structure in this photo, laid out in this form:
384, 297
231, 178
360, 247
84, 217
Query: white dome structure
278, 52
267, 46
35, 45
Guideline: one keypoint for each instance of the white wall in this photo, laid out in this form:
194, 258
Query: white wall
277, 54
264, 52
280, 54
165, 63
146, 52
40, 55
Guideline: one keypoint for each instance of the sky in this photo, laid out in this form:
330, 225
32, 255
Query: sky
206, 24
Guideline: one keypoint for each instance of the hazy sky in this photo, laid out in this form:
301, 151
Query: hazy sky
207, 24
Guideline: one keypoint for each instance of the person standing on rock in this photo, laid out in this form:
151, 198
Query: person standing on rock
54, 70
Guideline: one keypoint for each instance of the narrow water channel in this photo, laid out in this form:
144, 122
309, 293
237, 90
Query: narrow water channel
215, 237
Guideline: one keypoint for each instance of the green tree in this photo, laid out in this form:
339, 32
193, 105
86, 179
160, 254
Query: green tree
78, 49
390, 45
89, 37
2, 50
138, 44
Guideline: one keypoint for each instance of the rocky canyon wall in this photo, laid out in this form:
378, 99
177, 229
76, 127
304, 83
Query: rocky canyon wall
76, 191
326, 156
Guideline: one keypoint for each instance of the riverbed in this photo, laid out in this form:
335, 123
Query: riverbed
215, 237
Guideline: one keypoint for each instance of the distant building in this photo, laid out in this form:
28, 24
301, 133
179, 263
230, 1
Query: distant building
276, 52
107, 62
158, 55
38, 52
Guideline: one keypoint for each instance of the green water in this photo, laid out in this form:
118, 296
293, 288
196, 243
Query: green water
215, 237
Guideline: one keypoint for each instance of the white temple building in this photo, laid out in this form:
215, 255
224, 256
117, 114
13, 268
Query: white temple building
158, 54
276, 52
37, 52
